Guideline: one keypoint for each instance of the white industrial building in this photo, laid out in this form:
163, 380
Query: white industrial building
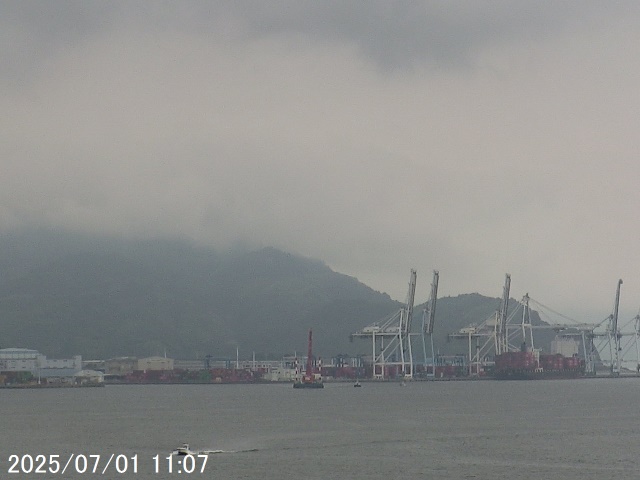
26, 360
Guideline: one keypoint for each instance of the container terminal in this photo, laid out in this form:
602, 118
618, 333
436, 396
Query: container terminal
501, 347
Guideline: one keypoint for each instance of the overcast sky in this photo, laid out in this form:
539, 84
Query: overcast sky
476, 138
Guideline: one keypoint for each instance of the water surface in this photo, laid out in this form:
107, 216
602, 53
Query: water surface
558, 429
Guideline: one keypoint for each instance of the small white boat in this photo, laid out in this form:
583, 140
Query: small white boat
184, 450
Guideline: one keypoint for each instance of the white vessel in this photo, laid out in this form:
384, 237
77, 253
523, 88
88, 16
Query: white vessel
184, 450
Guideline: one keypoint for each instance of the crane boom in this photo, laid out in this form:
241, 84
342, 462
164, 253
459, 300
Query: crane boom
309, 369
408, 309
614, 341
501, 337
614, 325
431, 309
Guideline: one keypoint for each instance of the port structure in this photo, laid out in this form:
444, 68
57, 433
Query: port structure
617, 340
614, 336
504, 331
605, 341
490, 335
429, 320
501, 337
517, 328
622, 345
391, 339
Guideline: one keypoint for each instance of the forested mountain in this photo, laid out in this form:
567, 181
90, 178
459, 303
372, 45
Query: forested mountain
65, 294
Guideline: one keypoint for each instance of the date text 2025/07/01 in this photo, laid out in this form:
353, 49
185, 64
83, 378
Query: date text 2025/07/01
102, 464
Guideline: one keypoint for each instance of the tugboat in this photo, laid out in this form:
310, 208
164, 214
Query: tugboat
357, 384
309, 380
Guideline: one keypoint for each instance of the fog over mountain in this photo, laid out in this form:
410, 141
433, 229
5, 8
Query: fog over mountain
65, 293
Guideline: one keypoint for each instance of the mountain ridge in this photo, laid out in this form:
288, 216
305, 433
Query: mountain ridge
64, 294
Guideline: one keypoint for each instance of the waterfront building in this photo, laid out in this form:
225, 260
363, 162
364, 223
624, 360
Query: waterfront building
26, 360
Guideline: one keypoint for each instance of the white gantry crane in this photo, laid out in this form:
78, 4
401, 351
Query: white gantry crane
615, 336
428, 321
391, 339
491, 335
501, 336
504, 331
612, 338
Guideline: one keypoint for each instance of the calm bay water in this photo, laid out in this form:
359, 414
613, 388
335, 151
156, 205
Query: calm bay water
563, 429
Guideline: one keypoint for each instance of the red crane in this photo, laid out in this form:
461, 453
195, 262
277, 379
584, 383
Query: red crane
308, 379
309, 371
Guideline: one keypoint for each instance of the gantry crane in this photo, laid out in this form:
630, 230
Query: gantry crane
502, 337
614, 335
391, 340
491, 335
502, 332
428, 320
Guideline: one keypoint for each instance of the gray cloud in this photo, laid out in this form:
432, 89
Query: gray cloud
476, 138
394, 35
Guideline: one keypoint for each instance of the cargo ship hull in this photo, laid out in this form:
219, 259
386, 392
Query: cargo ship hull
308, 385
536, 366
534, 375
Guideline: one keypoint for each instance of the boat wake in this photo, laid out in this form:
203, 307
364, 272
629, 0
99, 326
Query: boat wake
212, 452
185, 450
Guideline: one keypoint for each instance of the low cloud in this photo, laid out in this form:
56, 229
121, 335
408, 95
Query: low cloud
479, 139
